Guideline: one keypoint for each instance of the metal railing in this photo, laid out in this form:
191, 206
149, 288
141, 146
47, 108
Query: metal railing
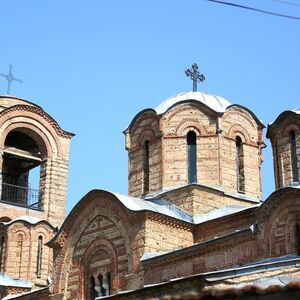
21, 196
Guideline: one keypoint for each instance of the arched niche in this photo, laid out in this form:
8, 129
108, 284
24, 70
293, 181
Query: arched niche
25, 152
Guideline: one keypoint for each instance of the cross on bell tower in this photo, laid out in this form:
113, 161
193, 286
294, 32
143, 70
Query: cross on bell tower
194, 75
10, 77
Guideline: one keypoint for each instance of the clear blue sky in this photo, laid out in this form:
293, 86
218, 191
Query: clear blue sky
93, 65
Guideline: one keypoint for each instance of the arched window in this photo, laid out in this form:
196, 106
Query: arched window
39, 257
294, 159
19, 253
240, 165
2, 254
146, 168
21, 170
191, 141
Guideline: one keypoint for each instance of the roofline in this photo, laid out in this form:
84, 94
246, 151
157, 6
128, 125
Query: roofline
278, 119
186, 223
136, 116
38, 109
272, 195
258, 121
192, 101
18, 98
34, 105
196, 246
7, 224
233, 195
216, 275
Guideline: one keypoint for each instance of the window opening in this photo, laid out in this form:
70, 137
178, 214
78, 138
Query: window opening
146, 168
108, 283
92, 291
2, 254
294, 159
240, 165
297, 239
19, 253
21, 170
192, 156
39, 257
105, 285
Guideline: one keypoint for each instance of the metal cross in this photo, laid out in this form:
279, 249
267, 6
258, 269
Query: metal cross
195, 76
10, 77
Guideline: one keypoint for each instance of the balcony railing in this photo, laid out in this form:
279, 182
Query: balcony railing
21, 196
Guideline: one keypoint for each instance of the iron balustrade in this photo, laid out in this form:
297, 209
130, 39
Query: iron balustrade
21, 196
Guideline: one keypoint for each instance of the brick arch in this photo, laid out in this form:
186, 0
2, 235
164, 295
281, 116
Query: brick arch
147, 134
148, 115
15, 229
239, 130
42, 136
278, 216
245, 114
282, 234
187, 125
95, 203
181, 107
93, 248
34, 112
286, 130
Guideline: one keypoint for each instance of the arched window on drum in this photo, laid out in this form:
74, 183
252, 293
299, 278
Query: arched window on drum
294, 159
191, 140
240, 171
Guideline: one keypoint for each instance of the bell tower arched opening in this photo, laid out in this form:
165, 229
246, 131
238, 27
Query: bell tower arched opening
22, 167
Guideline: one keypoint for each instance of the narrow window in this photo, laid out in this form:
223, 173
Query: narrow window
19, 253
92, 291
294, 160
146, 168
192, 157
297, 233
104, 284
39, 257
108, 283
240, 165
1, 254
101, 289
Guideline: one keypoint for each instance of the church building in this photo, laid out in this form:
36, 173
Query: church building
194, 219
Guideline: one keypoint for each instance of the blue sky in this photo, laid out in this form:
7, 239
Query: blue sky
93, 65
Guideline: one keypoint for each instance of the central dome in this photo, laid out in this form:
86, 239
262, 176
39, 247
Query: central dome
216, 103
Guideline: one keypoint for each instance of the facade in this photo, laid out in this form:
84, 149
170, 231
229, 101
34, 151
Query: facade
194, 218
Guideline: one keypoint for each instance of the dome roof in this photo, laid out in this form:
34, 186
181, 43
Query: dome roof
297, 110
216, 103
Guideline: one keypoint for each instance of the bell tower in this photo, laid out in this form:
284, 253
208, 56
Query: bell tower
284, 135
34, 149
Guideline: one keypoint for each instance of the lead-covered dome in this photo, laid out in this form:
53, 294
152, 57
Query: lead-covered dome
216, 103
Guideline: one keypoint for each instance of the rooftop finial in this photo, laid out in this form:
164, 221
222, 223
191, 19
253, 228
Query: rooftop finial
195, 76
10, 77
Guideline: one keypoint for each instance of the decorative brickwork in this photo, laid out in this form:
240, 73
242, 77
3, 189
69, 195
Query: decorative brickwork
29, 137
215, 148
286, 167
197, 168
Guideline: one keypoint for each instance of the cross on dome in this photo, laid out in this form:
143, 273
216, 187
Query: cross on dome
10, 77
194, 75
